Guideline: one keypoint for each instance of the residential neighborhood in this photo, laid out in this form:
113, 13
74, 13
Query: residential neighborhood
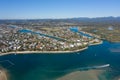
15, 38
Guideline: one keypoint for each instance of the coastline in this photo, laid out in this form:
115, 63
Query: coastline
40, 52
49, 52
96, 43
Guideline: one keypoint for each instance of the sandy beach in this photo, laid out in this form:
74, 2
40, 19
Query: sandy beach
47, 52
96, 43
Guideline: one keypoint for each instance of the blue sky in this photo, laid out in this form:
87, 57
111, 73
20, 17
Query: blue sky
39, 9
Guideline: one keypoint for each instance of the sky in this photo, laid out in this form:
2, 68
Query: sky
42, 9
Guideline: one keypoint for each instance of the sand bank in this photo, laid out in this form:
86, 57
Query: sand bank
3, 75
84, 75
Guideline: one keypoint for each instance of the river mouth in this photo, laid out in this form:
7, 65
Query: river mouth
56, 66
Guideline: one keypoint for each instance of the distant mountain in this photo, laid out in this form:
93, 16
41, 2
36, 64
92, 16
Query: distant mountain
98, 19
82, 21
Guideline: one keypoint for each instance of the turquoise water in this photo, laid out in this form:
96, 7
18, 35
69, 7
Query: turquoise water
52, 66
75, 29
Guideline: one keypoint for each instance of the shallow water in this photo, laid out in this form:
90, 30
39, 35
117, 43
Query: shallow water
53, 66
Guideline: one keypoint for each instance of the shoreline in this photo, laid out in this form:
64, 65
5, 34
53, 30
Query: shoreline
44, 52
49, 52
96, 43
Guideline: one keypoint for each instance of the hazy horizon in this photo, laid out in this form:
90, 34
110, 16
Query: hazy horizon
61, 18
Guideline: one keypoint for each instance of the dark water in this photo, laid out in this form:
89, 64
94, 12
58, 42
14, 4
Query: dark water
52, 66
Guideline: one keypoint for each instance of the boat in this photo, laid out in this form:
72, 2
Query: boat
94, 67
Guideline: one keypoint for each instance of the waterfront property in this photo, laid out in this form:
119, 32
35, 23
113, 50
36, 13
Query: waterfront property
45, 40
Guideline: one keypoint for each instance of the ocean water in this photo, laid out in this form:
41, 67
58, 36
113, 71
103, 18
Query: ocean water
53, 66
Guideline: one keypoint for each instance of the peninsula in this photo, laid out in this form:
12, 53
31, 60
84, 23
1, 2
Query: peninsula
20, 40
